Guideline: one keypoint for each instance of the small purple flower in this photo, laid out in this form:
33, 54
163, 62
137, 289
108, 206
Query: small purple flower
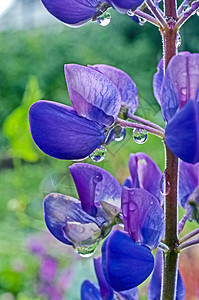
178, 95
74, 133
125, 263
76, 13
143, 217
91, 291
154, 288
48, 269
145, 174
189, 188
84, 222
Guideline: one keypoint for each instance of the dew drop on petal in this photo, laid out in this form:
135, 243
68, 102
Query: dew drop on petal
197, 12
98, 178
164, 185
140, 136
120, 133
178, 40
98, 154
104, 19
86, 251
183, 91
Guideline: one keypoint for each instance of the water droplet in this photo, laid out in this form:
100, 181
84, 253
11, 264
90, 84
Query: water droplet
183, 91
186, 7
141, 21
178, 40
140, 135
98, 178
130, 13
120, 133
164, 185
104, 19
197, 12
86, 251
98, 154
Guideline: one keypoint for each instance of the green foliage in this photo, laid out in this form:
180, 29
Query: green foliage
16, 126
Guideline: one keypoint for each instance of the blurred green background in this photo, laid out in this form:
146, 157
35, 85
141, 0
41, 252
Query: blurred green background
31, 68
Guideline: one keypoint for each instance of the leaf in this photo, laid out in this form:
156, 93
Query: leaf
16, 126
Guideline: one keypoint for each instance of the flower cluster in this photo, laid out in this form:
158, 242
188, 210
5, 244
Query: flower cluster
97, 94
177, 92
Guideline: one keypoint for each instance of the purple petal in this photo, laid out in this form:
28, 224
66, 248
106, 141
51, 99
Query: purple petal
182, 133
92, 94
145, 174
105, 289
181, 83
59, 132
127, 182
72, 12
125, 4
119, 254
157, 81
131, 294
48, 269
90, 291
188, 181
95, 185
63, 214
154, 288
143, 217
124, 83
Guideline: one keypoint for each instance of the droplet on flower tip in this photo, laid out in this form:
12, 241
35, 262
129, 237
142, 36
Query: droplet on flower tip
164, 185
120, 133
140, 136
104, 19
197, 12
98, 154
178, 40
86, 251
141, 21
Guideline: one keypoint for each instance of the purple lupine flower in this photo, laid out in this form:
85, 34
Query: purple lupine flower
48, 269
76, 13
74, 133
82, 223
178, 97
189, 188
143, 217
145, 174
154, 288
119, 252
104, 291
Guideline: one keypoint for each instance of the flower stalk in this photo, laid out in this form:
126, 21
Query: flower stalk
124, 123
170, 262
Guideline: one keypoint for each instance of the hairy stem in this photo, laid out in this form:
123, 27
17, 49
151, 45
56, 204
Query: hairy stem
187, 14
189, 235
156, 13
184, 219
145, 122
170, 262
188, 244
128, 124
147, 17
